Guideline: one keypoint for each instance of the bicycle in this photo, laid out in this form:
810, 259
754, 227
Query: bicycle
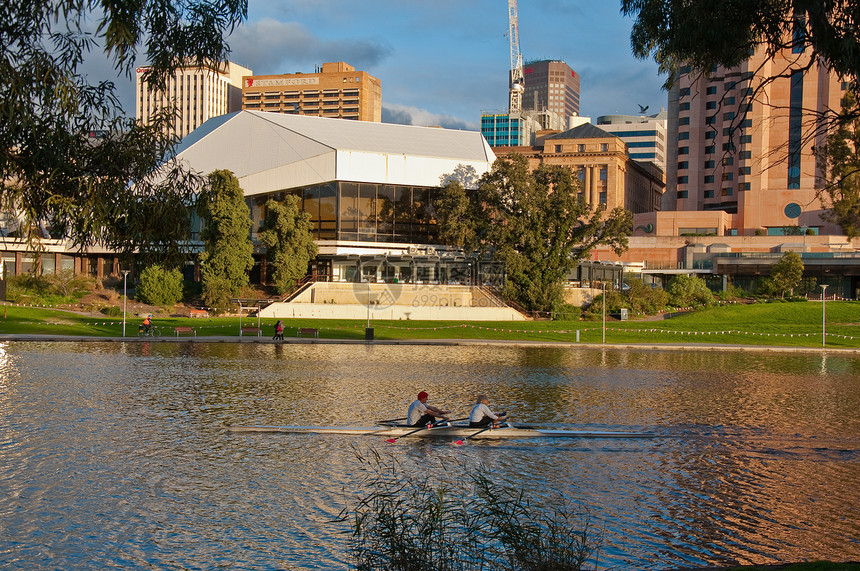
153, 332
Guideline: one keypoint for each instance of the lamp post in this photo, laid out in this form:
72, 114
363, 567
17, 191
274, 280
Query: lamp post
124, 297
603, 283
823, 315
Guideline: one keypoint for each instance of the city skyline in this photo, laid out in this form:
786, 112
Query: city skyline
444, 63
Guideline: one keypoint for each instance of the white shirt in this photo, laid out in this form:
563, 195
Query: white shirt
416, 411
480, 411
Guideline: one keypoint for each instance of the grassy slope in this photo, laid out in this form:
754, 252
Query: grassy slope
791, 324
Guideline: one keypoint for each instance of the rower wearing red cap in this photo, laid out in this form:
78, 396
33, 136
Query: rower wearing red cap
421, 413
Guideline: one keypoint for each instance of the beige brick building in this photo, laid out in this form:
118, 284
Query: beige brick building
607, 173
198, 94
335, 90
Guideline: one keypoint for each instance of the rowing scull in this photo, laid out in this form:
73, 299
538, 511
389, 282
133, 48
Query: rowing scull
444, 431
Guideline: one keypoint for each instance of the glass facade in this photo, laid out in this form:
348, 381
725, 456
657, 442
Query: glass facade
364, 212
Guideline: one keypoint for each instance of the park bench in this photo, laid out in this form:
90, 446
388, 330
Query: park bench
198, 313
307, 331
249, 330
178, 330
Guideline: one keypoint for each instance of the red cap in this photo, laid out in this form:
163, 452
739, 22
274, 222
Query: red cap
422, 395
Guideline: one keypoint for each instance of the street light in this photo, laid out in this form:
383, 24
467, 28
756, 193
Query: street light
124, 297
603, 283
823, 315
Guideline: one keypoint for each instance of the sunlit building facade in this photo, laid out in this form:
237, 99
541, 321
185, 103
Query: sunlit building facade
334, 90
194, 94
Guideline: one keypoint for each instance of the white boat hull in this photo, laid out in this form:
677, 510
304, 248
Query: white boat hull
442, 432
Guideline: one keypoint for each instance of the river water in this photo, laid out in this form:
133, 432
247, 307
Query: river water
115, 455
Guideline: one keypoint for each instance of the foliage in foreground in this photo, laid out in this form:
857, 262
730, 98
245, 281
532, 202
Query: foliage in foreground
418, 523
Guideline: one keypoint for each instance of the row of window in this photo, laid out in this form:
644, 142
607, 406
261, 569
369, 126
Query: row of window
711, 193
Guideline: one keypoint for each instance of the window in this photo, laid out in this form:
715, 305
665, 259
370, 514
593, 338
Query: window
728, 191
683, 165
710, 120
795, 128
558, 148
683, 150
709, 164
745, 170
728, 176
746, 139
709, 178
686, 106
682, 194
747, 123
746, 154
728, 116
727, 161
684, 121
730, 100
710, 135
728, 146
685, 92
710, 150
580, 148
709, 193
682, 180
604, 146
711, 105
711, 90
683, 136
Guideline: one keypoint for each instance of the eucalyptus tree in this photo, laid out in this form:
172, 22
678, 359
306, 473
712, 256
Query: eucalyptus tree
536, 222
71, 159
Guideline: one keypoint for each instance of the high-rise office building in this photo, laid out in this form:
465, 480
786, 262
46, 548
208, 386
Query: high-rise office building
551, 85
744, 145
198, 94
334, 90
645, 135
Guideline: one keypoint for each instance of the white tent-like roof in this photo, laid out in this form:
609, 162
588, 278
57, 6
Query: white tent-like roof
272, 151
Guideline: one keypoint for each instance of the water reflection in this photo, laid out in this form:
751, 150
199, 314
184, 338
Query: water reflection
117, 453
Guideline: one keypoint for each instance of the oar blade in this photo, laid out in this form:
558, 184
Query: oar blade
391, 440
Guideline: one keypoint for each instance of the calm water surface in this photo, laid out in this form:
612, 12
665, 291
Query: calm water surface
115, 455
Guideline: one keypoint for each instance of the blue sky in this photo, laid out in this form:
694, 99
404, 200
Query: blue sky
443, 62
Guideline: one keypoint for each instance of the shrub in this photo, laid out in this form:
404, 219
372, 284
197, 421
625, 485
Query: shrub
112, 311
48, 289
688, 291
426, 522
159, 286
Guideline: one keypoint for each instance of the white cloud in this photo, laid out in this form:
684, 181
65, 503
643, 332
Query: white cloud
269, 46
407, 115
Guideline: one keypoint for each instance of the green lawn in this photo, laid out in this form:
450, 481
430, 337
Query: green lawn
791, 324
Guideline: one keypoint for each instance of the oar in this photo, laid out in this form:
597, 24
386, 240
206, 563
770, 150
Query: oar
489, 426
389, 420
425, 427
460, 442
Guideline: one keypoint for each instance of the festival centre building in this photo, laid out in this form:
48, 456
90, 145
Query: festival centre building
367, 186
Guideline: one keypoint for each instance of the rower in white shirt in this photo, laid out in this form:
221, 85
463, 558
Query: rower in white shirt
421, 413
482, 416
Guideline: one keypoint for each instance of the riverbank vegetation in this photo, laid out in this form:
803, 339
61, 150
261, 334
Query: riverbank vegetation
431, 520
796, 324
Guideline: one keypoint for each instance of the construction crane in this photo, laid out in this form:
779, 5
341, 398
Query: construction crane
515, 104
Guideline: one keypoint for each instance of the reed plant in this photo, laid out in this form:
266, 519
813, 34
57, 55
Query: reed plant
415, 520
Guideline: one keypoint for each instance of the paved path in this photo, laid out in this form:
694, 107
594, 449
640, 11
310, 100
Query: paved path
438, 342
